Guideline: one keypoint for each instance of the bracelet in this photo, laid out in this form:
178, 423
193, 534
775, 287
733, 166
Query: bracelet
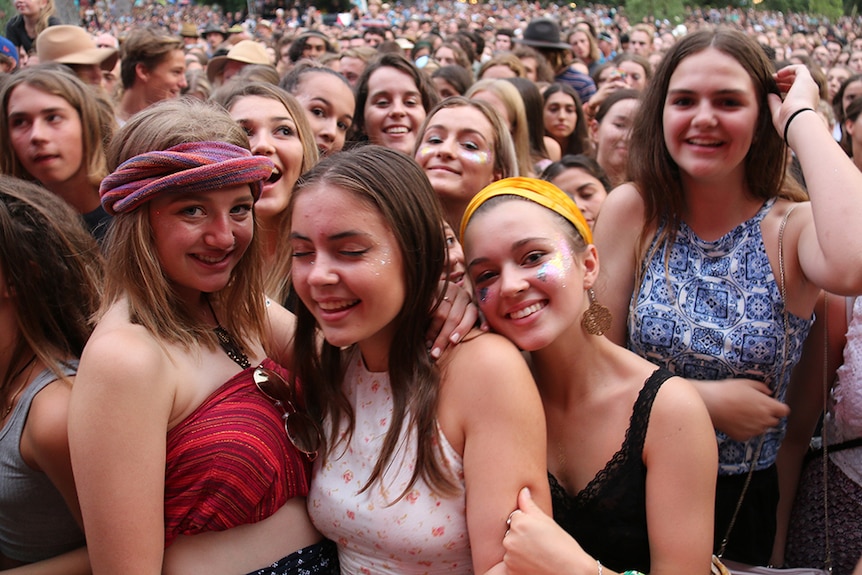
599, 563
790, 119
633, 573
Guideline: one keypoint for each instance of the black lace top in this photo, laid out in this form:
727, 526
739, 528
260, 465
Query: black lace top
608, 517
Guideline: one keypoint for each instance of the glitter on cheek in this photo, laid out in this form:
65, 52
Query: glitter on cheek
483, 295
424, 152
475, 156
558, 266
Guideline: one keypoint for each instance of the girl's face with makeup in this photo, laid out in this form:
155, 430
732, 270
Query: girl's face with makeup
457, 153
528, 278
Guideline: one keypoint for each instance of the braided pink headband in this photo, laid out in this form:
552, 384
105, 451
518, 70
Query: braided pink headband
189, 167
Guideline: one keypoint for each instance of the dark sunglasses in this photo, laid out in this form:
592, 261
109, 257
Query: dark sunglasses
302, 431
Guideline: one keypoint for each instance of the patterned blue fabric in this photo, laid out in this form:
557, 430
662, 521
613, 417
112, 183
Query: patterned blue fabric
716, 312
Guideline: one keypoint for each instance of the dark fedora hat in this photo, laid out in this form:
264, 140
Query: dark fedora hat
543, 33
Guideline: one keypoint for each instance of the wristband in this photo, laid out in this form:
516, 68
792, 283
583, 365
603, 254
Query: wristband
790, 119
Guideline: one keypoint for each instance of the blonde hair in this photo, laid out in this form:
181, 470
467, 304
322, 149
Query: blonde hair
514, 104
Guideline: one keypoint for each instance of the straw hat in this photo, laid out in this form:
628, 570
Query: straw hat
189, 30
246, 51
72, 45
543, 33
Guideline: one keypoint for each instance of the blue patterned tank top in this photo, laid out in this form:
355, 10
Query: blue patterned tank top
714, 313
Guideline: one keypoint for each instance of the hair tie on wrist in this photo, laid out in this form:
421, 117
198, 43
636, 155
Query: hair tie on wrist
790, 119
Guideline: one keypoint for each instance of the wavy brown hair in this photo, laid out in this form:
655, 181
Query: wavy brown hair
53, 269
396, 187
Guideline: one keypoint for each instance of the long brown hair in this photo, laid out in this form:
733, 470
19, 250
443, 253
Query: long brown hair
134, 271
53, 269
397, 187
95, 113
423, 84
651, 167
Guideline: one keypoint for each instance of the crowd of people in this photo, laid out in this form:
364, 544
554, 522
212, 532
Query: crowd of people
455, 288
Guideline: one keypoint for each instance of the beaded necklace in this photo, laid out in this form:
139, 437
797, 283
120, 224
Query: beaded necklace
228, 343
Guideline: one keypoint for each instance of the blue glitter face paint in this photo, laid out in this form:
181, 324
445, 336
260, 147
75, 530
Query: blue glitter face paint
483, 295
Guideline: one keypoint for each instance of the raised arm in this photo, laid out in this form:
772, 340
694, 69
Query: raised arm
829, 247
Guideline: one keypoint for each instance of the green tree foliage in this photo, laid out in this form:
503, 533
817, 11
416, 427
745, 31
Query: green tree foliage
652, 10
7, 10
832, 9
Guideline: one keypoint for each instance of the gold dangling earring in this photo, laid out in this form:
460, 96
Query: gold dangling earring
597, 318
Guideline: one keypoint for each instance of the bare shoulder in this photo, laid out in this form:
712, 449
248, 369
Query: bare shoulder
624, 205
678, 409
282, 328
122, 357
48, 420
485, 360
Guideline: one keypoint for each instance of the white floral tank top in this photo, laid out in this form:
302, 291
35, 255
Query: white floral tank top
376, 532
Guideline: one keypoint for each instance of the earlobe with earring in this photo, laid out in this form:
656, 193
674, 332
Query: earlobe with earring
597, 319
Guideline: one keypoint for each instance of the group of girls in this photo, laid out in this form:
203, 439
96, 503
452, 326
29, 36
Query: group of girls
212, 430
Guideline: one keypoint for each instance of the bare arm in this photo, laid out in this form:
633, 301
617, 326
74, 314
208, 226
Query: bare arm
118, 417
616, 237
682, 465
829, 247
805, 399
72, 563
504, 445
45, 441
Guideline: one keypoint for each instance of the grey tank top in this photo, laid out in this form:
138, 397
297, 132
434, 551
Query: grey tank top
35, 523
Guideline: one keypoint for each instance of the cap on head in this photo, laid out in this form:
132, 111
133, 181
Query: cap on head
7, 48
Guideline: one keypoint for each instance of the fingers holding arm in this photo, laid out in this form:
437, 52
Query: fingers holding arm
536, 545
741, 408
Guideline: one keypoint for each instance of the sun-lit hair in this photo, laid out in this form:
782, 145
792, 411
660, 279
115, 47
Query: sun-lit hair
396, 187
134, 271
53, 267
508, 94
277, 276
94, 111
45, 13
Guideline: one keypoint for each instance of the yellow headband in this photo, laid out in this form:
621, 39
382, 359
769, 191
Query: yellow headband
539, 191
